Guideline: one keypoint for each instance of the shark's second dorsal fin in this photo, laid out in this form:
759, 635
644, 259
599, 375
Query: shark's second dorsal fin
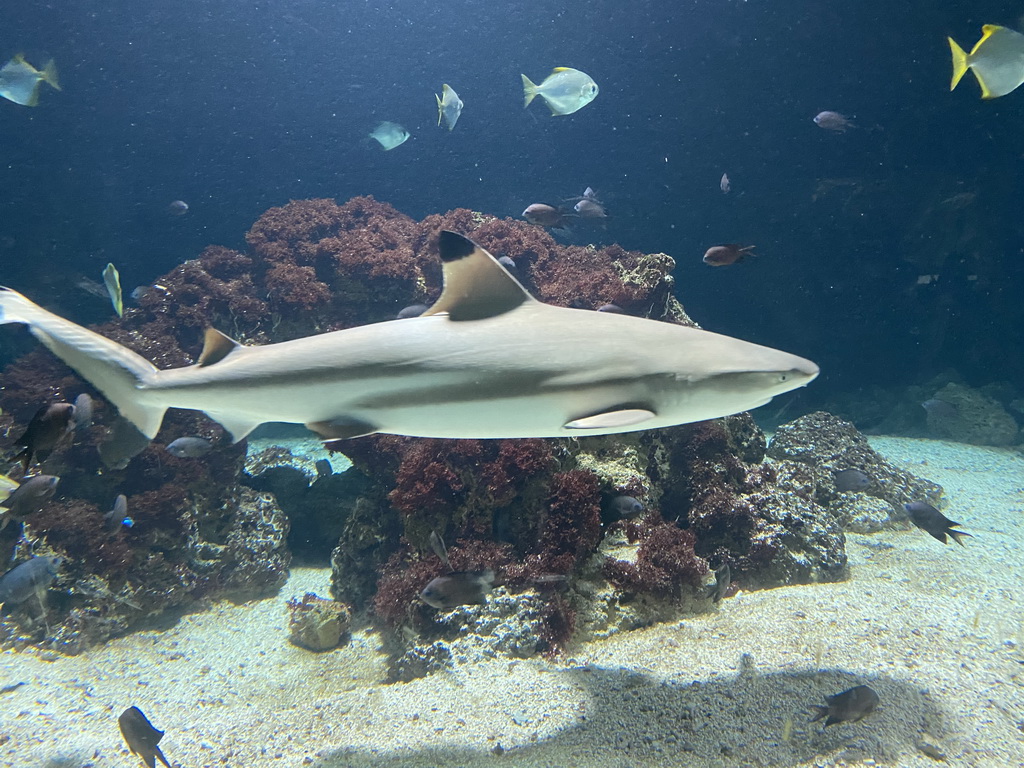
216, 346
475, 284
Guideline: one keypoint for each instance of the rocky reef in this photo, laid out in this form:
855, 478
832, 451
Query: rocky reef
535, 512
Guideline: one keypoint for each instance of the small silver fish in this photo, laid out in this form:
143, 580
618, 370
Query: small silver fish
833, 121
589, 207
389, 135
189, 447
19, 80
544, 215
449, 106
413, 310
724, 184
565, 90
83, 412
177, 208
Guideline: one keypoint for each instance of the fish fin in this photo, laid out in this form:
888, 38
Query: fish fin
237, 425
818, 711
476, 286
33, 99
440, 110
960, 64
342, 428
529, 90
619, 417
49, 74
955, 535
116, 371
160, 754
216, 346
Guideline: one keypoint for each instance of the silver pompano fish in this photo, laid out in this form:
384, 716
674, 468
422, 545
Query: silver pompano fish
565, 90
487, 360
449, 106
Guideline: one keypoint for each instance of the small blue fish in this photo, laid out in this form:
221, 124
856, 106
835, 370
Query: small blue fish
851, 481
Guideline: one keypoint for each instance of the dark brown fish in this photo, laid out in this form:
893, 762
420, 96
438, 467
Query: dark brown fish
544, 215
455, 589
929, 519
51, 424
724, 255
847, 707
851, 481
723, 579
141, 737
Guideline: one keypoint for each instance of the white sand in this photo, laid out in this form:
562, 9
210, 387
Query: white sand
934, 629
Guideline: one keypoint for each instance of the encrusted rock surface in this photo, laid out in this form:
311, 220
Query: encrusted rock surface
974, 417
317, 624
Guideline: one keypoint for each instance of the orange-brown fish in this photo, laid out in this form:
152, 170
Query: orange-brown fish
847, 707
51, 424
724, 255
141, 737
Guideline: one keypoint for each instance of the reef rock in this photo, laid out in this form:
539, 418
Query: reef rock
317, 624
973, 417
811, 451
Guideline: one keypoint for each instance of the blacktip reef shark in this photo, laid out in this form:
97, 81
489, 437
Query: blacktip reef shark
487, 360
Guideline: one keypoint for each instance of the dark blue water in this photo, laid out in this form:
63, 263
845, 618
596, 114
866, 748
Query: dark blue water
235, 107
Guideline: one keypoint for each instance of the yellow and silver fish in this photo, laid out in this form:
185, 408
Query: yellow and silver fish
112, 280
449, 106
19, 80
389, 135
997, 61
565, 90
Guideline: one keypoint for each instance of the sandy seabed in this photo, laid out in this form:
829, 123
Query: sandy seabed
935, 630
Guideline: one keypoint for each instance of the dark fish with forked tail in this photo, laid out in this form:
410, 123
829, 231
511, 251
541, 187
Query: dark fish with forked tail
141, 737
851, 481
846, 707
27, 579
929, 519
28, 498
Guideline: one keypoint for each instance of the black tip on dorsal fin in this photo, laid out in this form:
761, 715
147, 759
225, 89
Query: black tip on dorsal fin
216, 346
454, 246
475, 284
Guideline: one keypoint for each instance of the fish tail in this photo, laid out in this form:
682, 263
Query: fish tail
49, 74
818, 711
960, 62
955, 535
116, 371
529, 90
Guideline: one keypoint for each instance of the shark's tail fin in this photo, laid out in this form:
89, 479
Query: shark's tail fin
114, 370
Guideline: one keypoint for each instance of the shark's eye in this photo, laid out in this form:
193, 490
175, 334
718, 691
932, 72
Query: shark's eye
783, 377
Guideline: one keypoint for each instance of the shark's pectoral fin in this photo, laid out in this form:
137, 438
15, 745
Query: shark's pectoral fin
620, 417
342, 428
236, 424
216, 346
475, 284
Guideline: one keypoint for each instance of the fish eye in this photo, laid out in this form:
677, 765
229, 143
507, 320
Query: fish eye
783, 377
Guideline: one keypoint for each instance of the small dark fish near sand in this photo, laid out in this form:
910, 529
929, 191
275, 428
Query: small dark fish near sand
723, 579
189, 447
929, 519
83, 412
724, 255
28, 578
851, 481
28, 498
613, 308
323, 468
460, 588
846, 707
141, 737
51, 424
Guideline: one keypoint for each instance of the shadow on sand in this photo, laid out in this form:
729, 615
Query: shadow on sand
634, 720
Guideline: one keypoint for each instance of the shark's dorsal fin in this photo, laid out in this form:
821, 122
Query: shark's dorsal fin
216, 346
475, 284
